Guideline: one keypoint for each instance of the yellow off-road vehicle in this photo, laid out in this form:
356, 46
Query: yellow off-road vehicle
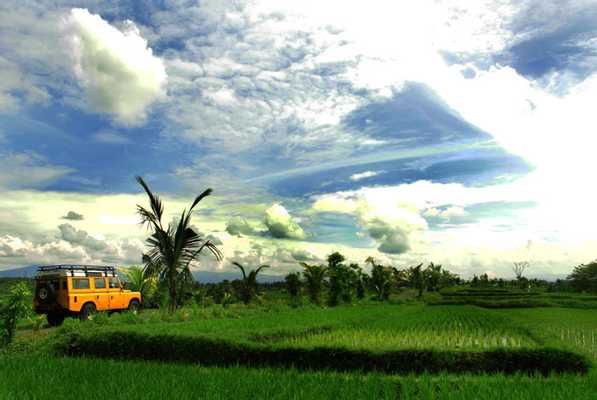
80, 290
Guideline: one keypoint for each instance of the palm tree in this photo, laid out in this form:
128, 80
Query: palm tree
172, 249
249, 284
314, 276
381, 279
416, 278
140, 281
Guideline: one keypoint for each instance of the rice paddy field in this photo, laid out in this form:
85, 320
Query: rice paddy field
153, 355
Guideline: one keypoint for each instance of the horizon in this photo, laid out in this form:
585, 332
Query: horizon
411, 133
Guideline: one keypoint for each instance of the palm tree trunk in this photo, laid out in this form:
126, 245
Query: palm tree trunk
172, 287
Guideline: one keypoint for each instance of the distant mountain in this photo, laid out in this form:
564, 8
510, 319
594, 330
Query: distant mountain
23, 272
200, 276
211, 277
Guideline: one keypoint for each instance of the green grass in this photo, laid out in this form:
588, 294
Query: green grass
512, 298
43, 377
375, 328
384, 338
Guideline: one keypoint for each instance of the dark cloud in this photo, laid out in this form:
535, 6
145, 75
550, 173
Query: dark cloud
73, 216
80, 237
391, 239
554, 37
414, 116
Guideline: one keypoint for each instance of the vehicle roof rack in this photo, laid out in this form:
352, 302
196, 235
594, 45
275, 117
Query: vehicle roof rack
108, 269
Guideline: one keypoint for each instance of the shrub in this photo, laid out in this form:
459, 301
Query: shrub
16, 307
293, 285
174, 348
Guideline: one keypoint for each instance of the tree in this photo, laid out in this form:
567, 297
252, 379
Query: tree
416, 277
172, 249
584, 277
293, 285
519, 268
140, 281
433, 274
360, 280
381, 280
340, 281
249, 283
314, 278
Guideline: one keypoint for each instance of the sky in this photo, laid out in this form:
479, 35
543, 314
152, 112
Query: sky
456, 132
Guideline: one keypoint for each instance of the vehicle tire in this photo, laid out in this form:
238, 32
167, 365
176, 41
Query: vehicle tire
55, 318
134, 306
87, 311
45, 293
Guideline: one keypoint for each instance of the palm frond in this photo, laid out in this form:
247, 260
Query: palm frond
242, 269
155, 202
260, 268
205, 193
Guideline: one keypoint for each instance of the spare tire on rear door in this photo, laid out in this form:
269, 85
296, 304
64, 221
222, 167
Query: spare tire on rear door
45, 293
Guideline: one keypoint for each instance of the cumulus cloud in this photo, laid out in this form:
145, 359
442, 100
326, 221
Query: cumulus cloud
388, 221
450, 212
75, 236
280, 223
73, 216
240, 226
119, 72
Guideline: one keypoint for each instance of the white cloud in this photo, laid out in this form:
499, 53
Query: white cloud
453, 211
281, 225
20, 170
363, 175
119, 72
390, 220
110, 138
240, 226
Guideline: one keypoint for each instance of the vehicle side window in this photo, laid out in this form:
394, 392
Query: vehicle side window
114, 284
81, 283
64, 284
100, 283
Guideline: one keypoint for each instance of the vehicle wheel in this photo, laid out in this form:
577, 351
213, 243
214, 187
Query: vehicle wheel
87, 311
134, 306
45, 293
55, 318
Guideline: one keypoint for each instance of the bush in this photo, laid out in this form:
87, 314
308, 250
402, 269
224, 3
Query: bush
16, 307
174, 348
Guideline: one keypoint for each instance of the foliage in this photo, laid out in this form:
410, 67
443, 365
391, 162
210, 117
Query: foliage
139, 280
416, 277
221, 352
18, 305
519, 267
172, 249
249, 287
293, 286
361, 281
314, 280
584, 277
381, 280
342, 279
433, 275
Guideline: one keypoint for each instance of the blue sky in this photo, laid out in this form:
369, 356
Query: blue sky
410, 132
